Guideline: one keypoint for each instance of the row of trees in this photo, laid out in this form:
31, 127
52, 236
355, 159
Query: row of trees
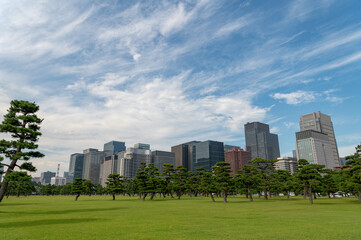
259, 178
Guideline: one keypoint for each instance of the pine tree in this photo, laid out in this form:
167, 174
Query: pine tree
78, 187
115, 184
223, 180
23, 125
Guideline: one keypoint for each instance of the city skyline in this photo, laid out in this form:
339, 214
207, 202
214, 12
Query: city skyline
169, 72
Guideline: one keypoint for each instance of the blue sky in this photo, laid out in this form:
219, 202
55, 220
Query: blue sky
167, 72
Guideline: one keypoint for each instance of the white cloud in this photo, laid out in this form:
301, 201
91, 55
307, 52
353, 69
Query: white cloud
346, 150
208, 90
302, 97
274, 130
234, 26
120, 75
297, 97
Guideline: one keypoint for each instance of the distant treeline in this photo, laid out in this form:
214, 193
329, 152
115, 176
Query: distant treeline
260, 178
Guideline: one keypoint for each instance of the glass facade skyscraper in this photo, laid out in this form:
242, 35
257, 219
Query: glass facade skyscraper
113, 147
75, 166
92, 165
207, 154
142, 146
197, 154
159, 158
260, 142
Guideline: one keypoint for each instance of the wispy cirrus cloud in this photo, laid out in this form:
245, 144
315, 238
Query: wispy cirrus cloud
165, 72
303, 97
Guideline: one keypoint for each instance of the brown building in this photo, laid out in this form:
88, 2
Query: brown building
237, 158
183, 154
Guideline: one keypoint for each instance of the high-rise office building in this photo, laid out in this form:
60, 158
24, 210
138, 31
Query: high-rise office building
286, 163
315, 147
237, 158
129, 161
260, 142
159, 158
197, 154
76, 166
320, 122
113, 147
109, 166
206, 154
183, 154
45, 177
142, 146
92, 165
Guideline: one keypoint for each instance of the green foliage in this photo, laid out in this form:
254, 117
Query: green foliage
115, 184
78, 187
248, 179
352, 173
266, 170
207, 184
89, 187
23, 125
19, 183
310, 176
179, 181
168, 171
222, 179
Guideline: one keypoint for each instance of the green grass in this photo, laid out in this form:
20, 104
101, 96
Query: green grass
98, 217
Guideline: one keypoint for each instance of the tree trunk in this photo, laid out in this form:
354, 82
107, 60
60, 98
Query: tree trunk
171, 195
152, 196
314, 195
113, 196
304, 191
212, 197
310, 195
265, 193
144, 196
140, 196
247, 194
259, 194
5, 183
288, 195
224, 196
328, 195
250, 194
76, 198
359, 195
333, 195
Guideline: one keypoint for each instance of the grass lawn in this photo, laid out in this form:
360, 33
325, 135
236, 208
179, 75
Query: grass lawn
99, 217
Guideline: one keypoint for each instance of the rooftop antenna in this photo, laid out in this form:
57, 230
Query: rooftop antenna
57, 172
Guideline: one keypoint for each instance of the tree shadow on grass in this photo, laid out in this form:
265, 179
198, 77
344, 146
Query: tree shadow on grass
65, 211
16, 204
46, 222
